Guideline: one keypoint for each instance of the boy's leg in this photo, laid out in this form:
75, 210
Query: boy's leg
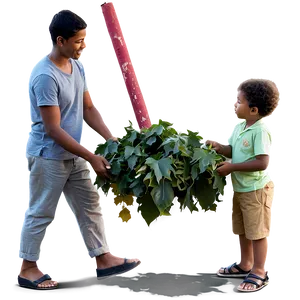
247, 258
83, 198
260, 248
258, 228
47, 178
245, 244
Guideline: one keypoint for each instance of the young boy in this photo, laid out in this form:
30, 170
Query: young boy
249, 149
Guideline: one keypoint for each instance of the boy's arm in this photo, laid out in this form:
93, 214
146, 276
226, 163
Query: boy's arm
225, 149
262, 151
259, 164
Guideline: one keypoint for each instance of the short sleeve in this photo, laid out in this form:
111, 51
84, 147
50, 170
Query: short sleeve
81, 69
229, 139
45, 90
86, 80
262, 143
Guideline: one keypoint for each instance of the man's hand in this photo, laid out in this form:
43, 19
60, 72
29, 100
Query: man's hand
101, 166
224, 168
115, 139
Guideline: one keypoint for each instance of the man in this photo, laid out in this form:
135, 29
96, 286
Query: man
60, 101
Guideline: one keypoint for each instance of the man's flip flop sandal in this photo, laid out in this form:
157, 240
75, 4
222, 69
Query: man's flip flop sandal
108, 272
26, 283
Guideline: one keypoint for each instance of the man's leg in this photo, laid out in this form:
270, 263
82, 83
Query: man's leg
47, 178
83, 198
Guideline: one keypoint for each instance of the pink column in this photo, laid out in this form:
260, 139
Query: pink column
126, 66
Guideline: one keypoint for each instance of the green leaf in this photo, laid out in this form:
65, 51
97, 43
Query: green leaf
219, 182
138, 151
179, 171
101, 149
135, 182
185, 150
148, 208
115, 167
168, 149
195, 171
112, 146
209, 159
194, 139
124, 183
138, 187
199, 153
205, 159
162, 168
142, 169
132, 161
132, 137
187, 201
154, 129
128, 151
151, 140
204, 192
186, 169
138, 190
148, 176
150, 180
163, 196
181, 184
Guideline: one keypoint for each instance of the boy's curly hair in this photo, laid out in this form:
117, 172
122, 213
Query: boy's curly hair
260, 93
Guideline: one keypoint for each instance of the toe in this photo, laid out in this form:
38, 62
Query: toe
242, 286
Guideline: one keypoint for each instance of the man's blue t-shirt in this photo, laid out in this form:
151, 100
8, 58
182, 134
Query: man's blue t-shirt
49, 86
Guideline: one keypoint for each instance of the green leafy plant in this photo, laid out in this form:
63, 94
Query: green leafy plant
157, 165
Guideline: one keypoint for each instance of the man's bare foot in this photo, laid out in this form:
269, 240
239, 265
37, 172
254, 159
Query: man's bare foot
107, 260
30, 271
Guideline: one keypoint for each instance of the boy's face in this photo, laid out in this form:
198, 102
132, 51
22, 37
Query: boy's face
242, 109
72, 47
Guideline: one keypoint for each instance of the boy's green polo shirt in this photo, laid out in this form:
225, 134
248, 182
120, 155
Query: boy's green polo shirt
246, 144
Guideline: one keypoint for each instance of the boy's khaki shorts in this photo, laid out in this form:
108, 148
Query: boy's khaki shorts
251, 212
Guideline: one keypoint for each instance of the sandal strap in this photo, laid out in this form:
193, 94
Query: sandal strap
234, 265
253, 282
228, 267
239, 269
42, 279
252, 275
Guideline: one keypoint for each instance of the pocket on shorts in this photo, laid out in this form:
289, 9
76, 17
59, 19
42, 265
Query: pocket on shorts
268, 193
34, 165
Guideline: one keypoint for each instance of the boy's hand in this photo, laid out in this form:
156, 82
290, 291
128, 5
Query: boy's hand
224, 168
216, 146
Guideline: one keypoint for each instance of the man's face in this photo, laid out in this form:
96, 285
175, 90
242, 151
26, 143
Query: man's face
73, 47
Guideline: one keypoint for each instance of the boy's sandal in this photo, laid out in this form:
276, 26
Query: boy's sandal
258, 285
229, 272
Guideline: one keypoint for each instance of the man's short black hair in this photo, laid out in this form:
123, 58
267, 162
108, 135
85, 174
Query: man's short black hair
65, 24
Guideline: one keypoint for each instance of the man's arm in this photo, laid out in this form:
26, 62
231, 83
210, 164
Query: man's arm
93, 118
260, 163
51, 119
